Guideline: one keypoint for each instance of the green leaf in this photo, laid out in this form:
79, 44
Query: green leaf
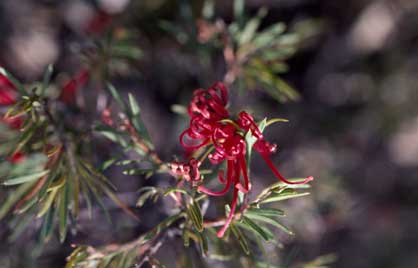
279, 54
270, 221
48, 202
268, 212
134, 105
108, 163
208, 9
203, 243
27, 206
258, 229
47, 78
283, 196
240, 237
282, 186
285, 89
276, 120
179, 109
239, 10
115, 94
63, 213
279, 67
26, 136
195, 214
112, 135
186, 237
273, 85
175, 190
288, 40
266, 37
47, 224
251, 27
126, 51
146, 195
90, 186
26, 178
100, 178
138, 171
33, 163
78, 254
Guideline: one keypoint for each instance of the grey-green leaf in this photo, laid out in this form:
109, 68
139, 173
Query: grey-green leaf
26, 178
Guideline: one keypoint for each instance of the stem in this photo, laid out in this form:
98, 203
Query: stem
146, 149
152, 249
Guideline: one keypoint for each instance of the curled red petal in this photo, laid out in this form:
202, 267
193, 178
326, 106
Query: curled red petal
229, 180
246, 121
267, 159
188, 147
224, 92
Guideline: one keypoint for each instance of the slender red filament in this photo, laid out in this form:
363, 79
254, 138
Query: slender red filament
228, 220
278, 175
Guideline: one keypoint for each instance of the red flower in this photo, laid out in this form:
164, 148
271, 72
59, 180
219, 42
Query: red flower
205, 110
189, 171
69, 90
17, 158
210, 103
14, 122
8, 92
210, 125
8, 96
98, 24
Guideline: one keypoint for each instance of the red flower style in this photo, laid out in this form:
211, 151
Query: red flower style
69, 90
246, 122
210, 125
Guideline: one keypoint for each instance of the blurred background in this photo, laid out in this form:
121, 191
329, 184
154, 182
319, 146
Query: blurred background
355, 127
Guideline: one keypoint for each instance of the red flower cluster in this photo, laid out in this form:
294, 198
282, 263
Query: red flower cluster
8, 96
189, 171
211, 125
